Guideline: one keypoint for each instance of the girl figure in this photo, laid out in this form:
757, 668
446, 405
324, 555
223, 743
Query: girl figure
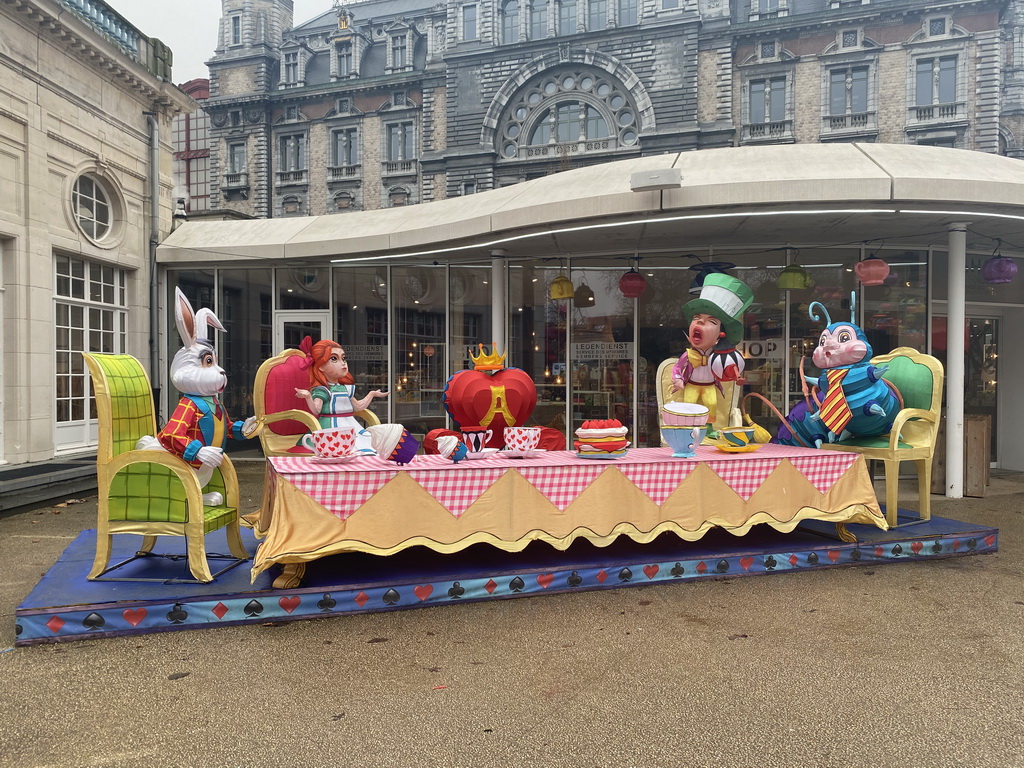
331, 394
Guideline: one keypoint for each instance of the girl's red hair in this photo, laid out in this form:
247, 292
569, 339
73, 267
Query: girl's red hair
321, 353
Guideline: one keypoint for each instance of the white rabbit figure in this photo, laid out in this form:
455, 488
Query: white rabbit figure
199, 426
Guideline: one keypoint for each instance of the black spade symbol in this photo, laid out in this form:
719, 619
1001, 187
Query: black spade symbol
327, 603
392, 596
517, 584
456, 591
177, 614
253, 608
625, 574
812, 558
93, 621
770, 563
574, 579
972, 543
17, 630
677, 570
897, 550
723, 566
936, 547
855, 555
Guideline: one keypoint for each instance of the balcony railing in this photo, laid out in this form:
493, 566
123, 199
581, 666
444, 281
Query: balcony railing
857, 121
931, 113
235, 181
341, 172
773, 131
399, 168
292, 177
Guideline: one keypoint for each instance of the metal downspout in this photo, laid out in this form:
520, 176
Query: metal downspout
154, 240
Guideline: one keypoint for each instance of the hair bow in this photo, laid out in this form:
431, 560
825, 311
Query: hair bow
307, 347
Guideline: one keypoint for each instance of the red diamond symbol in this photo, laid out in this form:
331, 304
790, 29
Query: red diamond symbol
956, 544
793, 560
701, 567
55, 623
490, 586
219, 610
878, 552
361, 599
602, 575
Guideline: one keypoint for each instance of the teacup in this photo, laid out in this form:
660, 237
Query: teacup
737, 437
476, 438
330, 443
684, 415
522, 438
683, 440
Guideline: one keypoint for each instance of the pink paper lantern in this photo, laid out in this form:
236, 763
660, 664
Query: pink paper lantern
872, 271
632, 284
999, 269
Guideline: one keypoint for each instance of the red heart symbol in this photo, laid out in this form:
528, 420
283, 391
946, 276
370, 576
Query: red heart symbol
475, 398
289, 603
651, 571
990, 540
424, 591
916, 547
746, 562
134, 616
833, 555
545, 579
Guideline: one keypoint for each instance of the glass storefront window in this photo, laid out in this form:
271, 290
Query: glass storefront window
419, 354
896, 313
977, 289
245, 310
198, 285
470, 292
361, 328
303, 288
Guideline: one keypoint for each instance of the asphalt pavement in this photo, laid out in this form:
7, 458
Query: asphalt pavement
914, 664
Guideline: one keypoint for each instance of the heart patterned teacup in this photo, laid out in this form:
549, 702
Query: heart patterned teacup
522, 438
330, 443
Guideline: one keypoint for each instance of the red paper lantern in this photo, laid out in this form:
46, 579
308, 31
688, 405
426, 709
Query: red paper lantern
872, 271
632, 284
999, 269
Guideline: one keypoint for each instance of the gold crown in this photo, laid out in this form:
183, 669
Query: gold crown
489, 362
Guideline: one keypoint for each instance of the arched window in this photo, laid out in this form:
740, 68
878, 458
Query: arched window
510, 22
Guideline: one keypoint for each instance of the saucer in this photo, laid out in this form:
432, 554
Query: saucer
335, 459
737, 448
521, 454
483, 453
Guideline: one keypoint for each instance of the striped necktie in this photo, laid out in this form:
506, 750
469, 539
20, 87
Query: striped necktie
835, 412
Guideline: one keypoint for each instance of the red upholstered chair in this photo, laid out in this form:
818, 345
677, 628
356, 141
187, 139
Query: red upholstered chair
282, 416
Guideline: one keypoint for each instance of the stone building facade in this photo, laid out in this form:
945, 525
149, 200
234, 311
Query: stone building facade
391, 102
85, 104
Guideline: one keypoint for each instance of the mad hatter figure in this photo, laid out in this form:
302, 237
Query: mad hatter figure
715, 326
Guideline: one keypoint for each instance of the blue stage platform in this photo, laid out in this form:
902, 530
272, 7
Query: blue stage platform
65, 606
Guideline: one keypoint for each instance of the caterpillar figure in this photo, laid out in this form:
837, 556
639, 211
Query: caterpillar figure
853, 400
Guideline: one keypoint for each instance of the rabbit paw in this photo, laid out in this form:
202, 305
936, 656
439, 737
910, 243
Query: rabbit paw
212, 499
210, 456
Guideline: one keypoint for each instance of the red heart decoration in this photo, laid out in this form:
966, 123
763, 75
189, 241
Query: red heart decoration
833, 555
424, 591
545, 579
990, 540
746, 562
475, 398
650, 571
916, 547
134, 616
289, 603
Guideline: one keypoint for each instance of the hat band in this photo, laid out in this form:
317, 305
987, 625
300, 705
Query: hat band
729, 302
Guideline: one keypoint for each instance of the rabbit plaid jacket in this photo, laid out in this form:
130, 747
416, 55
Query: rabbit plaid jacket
197, 421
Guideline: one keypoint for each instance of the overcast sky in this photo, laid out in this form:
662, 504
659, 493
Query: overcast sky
189, 27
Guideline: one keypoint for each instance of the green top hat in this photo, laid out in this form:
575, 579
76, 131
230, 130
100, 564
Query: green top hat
724, 297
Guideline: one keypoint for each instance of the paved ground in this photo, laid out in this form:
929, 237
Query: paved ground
911, 665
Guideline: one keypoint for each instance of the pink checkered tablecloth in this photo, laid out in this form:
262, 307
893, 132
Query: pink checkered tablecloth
343, 487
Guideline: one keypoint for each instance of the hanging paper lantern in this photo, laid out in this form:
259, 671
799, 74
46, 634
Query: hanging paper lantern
584, 297
999, 269
872, 271
632, 284
561, 288
795, 278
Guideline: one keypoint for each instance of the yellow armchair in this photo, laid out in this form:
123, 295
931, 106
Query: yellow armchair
919, 379
148, 492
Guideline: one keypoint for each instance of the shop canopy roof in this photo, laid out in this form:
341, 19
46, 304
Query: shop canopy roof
807, 194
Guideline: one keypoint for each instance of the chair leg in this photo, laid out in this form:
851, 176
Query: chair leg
148, 542
234, 534
102, 559
924, 488
197, 564
892, 491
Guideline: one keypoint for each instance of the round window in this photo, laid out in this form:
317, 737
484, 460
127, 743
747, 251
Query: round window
629, 137
512, 131
510, 150
91, 206
520, 113
586, 83
534, 98
568, 83
625, 117
550, 87
604, 89
616, 101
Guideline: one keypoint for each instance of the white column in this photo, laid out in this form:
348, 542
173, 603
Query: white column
499, 294
956, 319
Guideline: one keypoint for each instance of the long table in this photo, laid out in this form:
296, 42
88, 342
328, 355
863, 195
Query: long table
312, 509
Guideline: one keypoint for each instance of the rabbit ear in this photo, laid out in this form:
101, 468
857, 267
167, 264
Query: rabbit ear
204, 319
184, 317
